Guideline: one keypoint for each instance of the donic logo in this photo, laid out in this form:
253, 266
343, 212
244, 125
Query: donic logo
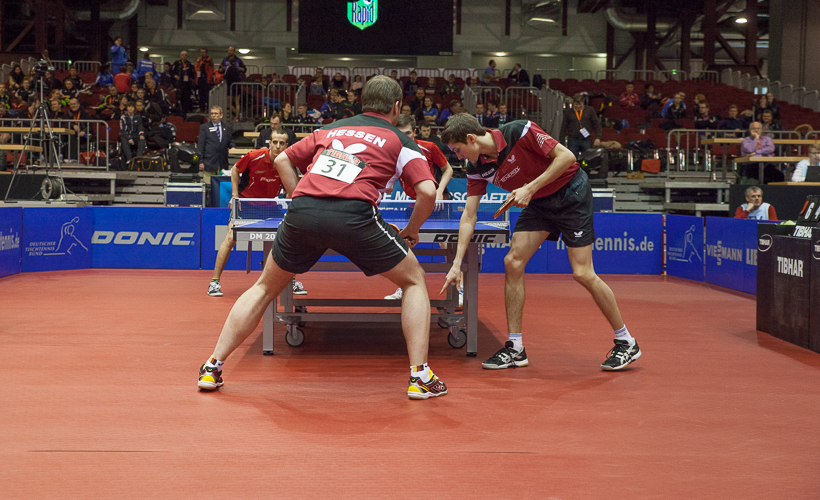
363, 13
141, 238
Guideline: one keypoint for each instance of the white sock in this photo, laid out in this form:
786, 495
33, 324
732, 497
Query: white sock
421, 371
214, 363
518, 343
623, 334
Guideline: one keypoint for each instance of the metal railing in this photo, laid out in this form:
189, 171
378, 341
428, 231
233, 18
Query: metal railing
295, 127
245, 100
78, 143
218, 96
674, 75
710, 76
811, 100
813, 135
579, 74
252, 69
646, 75
608, 74
366, 72
786, 92
487, 95
331, 71
462, 73
552, 109
470, 99
303, 70
428, 72
277, 95
87, 66
524, 103
399, 71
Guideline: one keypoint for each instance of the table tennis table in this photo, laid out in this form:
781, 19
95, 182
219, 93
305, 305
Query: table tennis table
462, 326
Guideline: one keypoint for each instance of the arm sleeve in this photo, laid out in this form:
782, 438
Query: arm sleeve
746, 146
741, 213
476, 187
800, 171
438, 157
301, 154
772, 213
243, 162
766, 146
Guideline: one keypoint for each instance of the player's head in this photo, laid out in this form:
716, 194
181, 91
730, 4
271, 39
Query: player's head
461, 134
278, 143
407, 125
754, 195
382, 95
425, 130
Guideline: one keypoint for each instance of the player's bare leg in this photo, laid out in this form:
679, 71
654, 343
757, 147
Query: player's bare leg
242, 320
224, 252
415, 323
626, 349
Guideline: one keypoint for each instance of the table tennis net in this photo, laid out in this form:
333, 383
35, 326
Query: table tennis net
391, 210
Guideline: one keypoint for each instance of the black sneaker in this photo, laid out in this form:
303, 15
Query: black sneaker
507, 358
621, 355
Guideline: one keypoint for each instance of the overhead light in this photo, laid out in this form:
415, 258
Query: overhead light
204, 12
542, 20
345, 58
244, 51
252, 57
600, 54
155, 55
741, 20
500, 54
143, 49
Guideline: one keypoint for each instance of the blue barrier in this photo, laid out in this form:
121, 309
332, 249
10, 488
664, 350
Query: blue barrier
55, 239
684, 247
146, 237
214, 228
731, 253
11, 232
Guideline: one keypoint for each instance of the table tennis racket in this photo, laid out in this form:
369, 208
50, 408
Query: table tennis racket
505, 206
394, 227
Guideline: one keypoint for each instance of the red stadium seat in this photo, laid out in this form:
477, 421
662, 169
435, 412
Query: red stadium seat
188, 132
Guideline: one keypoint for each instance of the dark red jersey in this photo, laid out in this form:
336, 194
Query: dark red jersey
523, 155
258, 176
435, 160
356, 158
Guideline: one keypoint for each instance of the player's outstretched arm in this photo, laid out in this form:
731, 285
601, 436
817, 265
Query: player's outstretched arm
287, 172
425, 202
234, 182
446, 175
465, 234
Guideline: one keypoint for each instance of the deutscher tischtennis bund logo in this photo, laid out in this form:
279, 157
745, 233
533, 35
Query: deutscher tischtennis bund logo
362, 13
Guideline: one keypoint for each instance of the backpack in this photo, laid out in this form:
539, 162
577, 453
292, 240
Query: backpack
538, 81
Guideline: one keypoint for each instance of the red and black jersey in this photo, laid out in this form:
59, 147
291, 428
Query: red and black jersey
435, 160
259, 178
523, 155
357, 159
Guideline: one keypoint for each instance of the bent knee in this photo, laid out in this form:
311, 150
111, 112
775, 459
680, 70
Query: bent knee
585, 277
513, 263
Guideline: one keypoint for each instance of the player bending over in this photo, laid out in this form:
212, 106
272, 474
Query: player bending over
546, 181
348, 165
253, 176
439, 167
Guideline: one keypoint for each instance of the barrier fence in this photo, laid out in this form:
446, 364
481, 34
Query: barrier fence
86, 143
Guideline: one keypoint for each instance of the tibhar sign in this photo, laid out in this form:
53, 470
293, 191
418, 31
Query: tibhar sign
363, 13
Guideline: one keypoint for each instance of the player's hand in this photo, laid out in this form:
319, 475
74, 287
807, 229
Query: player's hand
439, 197
750, 207
523, 196
411, 237
454, 275
596, 142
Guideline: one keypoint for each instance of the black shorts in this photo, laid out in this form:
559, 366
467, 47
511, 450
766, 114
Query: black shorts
354, 228
567, 212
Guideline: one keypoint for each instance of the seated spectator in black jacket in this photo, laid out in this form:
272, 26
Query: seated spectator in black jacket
412, 84
733, 122
650, 98
152, 93
132, 133
352, 103
503, 115
522, 79
26, 92
74, 77
407, 110
302, 116
450, 87
417, 101
761, 105
50, 82
677, 109
263, 141
337, 82
166, 78
705, 120
5, 97
769, 123
773, 106
74, 114
69, 89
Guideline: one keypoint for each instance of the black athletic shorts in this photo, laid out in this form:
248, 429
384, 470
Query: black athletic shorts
567, 212
354, 228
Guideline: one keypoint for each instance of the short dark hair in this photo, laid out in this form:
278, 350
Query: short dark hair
647, 85
577, 99
459, 126
630, 82
405, 120
733, 106
380, 94
130, 104
704, 103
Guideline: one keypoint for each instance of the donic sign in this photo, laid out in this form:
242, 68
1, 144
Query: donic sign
363, 13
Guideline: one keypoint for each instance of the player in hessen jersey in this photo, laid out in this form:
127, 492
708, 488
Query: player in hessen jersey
347, 166
253, 176
544, 180
440, 168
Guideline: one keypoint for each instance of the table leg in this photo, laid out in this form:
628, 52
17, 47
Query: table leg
725, 159
668, 195
270, 310
760, 169
471, 299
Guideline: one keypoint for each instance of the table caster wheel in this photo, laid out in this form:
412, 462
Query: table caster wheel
295, 336
457, 337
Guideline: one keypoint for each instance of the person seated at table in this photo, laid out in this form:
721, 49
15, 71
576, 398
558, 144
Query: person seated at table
754, 208
757, 144
813, 160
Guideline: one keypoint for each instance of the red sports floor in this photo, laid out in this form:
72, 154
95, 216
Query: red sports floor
99, 398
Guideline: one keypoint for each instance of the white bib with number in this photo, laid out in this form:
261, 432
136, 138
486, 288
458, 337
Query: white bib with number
338, 165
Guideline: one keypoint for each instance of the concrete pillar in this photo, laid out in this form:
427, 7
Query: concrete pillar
281, 63
465, 59
792, 51
751, 33
709, 28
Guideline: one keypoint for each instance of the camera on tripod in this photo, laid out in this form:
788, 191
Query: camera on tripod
40, 68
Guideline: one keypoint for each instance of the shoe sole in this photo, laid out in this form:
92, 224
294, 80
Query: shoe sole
514, 364
621, 367
390, 297
215, 294
428, 395
300, 293
209, 386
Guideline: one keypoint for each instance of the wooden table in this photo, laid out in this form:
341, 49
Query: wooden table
767, 159
37, 129
736, 140
789, 183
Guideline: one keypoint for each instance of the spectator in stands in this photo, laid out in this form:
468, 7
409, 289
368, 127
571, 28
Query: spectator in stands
74, 114
503, 115
263, 141
110, 101
134, 93
275, 78
455, 104
395, 76
813, 160
474, 81
761, 105
429, 110
123, 81
773, 106
51, 82
317, 88
411, 84
357, 85
15, 78
120, 110
768, 123
233, 71
675, 108
417, 102
450, 87
145, 65
166, 78
184, 76
330, 109
302, 116
118, 55
629, 98
481, 115
69, 90
54, 109
490, 69
132, 133
488, 81
699, 98
754, 207
5, 138
492, 112
757, 144
288, 118
215, 139
337, 82
522, 79
204, 77
733, 122
5, 98
705, 120
25, 93
352, 103
104, 77
577, 127
129, 68
319, 77
650, 98
405, 109
431, 89
74, 77
154, 94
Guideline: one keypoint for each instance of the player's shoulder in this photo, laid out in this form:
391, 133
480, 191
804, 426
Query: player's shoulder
425, 145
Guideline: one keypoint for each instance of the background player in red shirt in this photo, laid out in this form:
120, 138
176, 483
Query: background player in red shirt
439, 167
348, 165
545, 180
253, 176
